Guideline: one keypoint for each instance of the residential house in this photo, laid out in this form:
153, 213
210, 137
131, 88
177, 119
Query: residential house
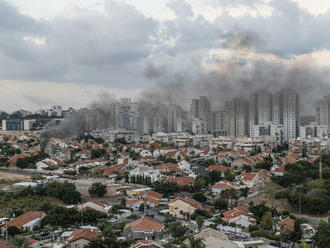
144, 228
81, 237
249, 179
145, 171
146, 244
183, 208
93, 205
218, 187
182, 181
278, 170
84, 154
220, 168
184, 165
168, 167
27, 221
134, 203
286, 226
215, 239
13, 159
240, 216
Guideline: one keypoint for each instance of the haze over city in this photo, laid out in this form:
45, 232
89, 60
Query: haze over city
164, 124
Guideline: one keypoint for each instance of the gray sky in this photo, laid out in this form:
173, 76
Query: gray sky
68, 52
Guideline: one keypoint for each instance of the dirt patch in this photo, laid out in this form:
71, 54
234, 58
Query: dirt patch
280, 205
8, 179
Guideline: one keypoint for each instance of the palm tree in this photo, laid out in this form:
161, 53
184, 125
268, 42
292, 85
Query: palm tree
195, 243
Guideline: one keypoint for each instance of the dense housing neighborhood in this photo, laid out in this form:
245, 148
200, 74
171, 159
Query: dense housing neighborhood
209, 191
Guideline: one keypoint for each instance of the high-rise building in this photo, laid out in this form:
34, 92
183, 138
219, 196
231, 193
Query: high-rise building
200, 108
278, 108
129, 114
290, 113
261, 107
218, 123
174, 119
238, 117
323, 112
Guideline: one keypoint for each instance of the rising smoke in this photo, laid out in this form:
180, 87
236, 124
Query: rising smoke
219, 79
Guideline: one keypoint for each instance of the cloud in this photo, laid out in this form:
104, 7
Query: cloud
122, 48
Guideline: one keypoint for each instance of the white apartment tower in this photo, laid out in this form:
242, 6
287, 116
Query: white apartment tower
238, 117
290, 102
260, 107
323, 112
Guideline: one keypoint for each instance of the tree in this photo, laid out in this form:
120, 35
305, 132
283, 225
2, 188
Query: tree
200, 197
13, 230
215, 176
91, 216
71, 197
97, 189
208, 162
170, 160
244, 192
200, 221
267, 221
229, 176
196, 243
247, 168
176, 229
201, 181
62, 216
22, 163
322, 236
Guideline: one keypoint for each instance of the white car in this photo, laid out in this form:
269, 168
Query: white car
112, 220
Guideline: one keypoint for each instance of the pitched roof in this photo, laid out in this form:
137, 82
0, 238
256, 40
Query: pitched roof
152, 200
84, 234
222, 186
218, 167
25, 218
189, 201
286, 225
13, 159
145, 224
154, 194
248, 176
237, 211
182, 180
146, 244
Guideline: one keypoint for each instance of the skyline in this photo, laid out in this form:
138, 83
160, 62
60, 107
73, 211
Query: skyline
69, 53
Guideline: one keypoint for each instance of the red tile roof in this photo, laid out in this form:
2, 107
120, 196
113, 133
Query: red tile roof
189, 201
145, 224
248, 176
25, 218
154, 194
286, 225
13, 159
182, 181
84, 234
218, 167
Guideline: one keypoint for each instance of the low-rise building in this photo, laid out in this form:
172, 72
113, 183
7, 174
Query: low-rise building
183, 208
81, 237
240, 216
27, 221
144, 228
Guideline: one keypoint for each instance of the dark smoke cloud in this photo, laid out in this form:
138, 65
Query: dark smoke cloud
240, 77
99, 115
